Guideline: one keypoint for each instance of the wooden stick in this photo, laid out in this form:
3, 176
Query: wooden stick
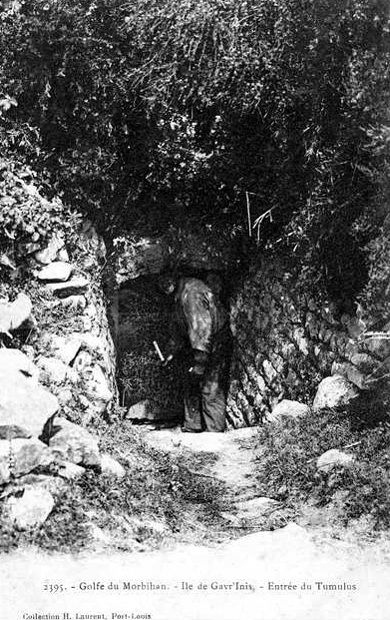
158, 351
248, 213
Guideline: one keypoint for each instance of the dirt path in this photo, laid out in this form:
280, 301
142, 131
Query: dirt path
235, 464
284, 574
249, 512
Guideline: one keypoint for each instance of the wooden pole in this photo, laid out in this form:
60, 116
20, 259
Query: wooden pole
248, 213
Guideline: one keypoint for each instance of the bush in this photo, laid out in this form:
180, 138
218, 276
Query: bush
26, 216
144, 111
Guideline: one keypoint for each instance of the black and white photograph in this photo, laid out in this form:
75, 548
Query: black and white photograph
194, 309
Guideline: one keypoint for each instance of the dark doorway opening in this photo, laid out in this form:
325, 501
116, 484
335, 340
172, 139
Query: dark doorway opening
148, 391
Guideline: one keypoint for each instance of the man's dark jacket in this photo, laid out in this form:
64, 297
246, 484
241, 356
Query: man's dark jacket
201, 325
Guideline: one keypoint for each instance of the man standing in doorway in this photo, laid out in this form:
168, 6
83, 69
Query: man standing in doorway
200, 331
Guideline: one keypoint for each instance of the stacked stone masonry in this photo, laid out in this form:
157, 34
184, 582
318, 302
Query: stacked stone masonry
57, 379
286, 341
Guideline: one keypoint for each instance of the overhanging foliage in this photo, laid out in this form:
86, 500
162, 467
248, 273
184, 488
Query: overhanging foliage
145, 110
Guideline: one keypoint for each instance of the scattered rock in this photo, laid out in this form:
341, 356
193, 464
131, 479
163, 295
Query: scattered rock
87, 323
75, 302
334, 392
82, 361
49, 254
70, 471
66, 348
5, 261
364, 362
62, 255
55, 272
288, 408
25, 249
65, 396
273, 544
100, 345
350, 372
28, 350
21, 456
256, 507
139, 411
73, 286
301, 340
74, 443
56, 370
111, 467
333, 458
96, 386
23, 402
14, 314
269, 371
12, 431
98, 535
54, 484
29, 510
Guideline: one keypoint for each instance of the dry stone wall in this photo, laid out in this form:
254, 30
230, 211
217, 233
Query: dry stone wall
57, 373
286, 341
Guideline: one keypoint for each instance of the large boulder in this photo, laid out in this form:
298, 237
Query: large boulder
74, 443
21, 456
19, 361
334, 392
55, 272
288, 409
23, 402
140, 411
333, 458
14, 314
29, 510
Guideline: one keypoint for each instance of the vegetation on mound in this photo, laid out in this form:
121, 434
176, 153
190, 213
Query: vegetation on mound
287, 471
142, 111
159, 501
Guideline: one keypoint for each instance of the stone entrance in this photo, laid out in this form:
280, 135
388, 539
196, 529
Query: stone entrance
148, 391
